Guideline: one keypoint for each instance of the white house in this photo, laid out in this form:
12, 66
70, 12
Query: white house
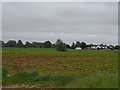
93, 47
78, 48
97, 47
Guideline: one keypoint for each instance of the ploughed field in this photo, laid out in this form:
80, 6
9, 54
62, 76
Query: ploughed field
52, 61
48, 60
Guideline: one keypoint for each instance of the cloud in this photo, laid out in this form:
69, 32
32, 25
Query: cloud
89, 22
0, 21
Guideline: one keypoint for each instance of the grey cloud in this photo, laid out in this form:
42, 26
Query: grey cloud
0, 21
90, 22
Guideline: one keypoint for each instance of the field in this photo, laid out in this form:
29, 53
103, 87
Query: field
74, 68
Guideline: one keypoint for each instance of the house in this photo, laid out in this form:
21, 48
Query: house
94, 47
78, 48
97, 47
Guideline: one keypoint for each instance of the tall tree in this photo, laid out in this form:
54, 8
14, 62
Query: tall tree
36, 45
11, 43
73, 46
28, 44
53, 46
47, 44
2, 44
117, 47
77, 44
67, 45
83, 45
20, 44
60, 46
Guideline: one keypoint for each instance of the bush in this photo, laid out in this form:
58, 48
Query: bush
23, 76
61, 80
4, 72
19, 77
34, 77
60, 46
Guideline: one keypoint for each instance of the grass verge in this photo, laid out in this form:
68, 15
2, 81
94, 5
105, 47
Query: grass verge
68, 80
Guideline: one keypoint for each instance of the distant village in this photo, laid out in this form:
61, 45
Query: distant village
47, 44
96, 47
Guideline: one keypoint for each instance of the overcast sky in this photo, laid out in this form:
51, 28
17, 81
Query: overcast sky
85, 22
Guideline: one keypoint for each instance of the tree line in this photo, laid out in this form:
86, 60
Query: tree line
47, 44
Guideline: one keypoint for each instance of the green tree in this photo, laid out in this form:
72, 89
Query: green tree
73, 46
53, 46
37, 44
67, 45
47, 44
60, 46
83, 45
11, 43
2, 44
117, 47
20, 44
28, 44
77, 44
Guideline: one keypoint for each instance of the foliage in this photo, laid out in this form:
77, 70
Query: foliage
34, 77
73, 46
20, 44
11, 43
47, 44
117, 47
60, 46
78, 44
28, 44
96, 80
83, 45
37, 45
68, 80
4, 72
67, 46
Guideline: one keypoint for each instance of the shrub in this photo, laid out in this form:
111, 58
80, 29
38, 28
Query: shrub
23, 76
4, 72
60, 46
